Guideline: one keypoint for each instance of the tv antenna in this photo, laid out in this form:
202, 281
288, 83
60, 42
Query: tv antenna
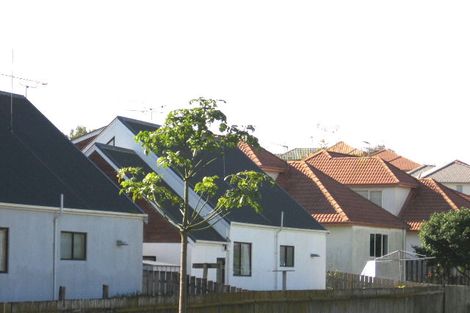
25, 82
149, 110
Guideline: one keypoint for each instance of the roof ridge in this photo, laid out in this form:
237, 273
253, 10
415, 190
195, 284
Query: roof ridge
385, 164
444, 194
308, 157
329, 197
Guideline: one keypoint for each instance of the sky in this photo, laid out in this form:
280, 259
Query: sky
384, 72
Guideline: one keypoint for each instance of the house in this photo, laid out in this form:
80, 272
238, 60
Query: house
397, 160
257, 249
370, 206
455, 175
62, 222
429, 197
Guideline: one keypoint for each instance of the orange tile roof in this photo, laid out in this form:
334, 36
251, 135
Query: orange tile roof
263, 158
330, 202
397, 160
430, 197
344, 148
350, 170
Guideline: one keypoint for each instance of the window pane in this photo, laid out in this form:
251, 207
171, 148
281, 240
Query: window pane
3, 249
372, 245
66, 246
290, 256
363, 193
282, 256
376, 197
236, 258
385, 244
79, 246
378, 245
245, 259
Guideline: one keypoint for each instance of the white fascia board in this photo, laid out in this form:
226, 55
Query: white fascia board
49, 209
279, 227
103, 137
88, 135
125, 139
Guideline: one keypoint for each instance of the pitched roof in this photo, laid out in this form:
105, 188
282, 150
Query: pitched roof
296, 154
419, 172
82, 141
330, 202
344, 148
453, 172
121, 157
263, 158
39, 163
135, 126
430, 197
350, 170
397, 160
273, 198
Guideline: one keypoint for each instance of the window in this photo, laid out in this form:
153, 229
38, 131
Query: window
72, 246
112, 142
374, 196
287, 256
378, 245
241, 259
3, 250
459, 188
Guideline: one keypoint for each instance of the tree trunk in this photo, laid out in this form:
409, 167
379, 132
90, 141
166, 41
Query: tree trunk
184, 251
182, 285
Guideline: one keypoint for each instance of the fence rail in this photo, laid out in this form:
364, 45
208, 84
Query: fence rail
339, 280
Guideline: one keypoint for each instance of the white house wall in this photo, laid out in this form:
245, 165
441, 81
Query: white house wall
465, 187
30, 256
412, 240
308, 272
393, 198
206, 253
339, 245
361, 244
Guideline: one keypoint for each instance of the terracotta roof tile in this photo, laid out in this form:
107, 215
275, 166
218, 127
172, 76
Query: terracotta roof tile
350, 170
344, 148
397, 160
331, 202
263, 158
428, 198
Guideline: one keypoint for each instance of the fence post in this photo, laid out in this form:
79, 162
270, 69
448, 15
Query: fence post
61, 293
105, 291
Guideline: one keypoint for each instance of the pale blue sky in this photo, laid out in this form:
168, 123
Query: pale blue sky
391, 72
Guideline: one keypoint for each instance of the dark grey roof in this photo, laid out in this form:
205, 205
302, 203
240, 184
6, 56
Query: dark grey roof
454, 172
38, 163
296, 154
136, 126
273, 198
124, 158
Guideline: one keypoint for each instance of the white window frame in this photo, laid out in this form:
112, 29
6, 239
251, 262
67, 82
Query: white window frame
369, 191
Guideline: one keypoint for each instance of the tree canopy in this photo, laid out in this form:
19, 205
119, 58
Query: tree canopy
446, 236
187, 142
77, 132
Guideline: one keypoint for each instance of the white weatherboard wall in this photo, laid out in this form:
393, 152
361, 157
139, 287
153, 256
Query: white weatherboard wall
309, 273
30, 254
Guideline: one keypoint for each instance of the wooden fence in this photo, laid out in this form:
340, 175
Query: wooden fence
339, 280
417, 271
166, 284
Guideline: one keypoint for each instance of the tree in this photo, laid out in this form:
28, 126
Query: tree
187, 143
446, 236
77, 132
